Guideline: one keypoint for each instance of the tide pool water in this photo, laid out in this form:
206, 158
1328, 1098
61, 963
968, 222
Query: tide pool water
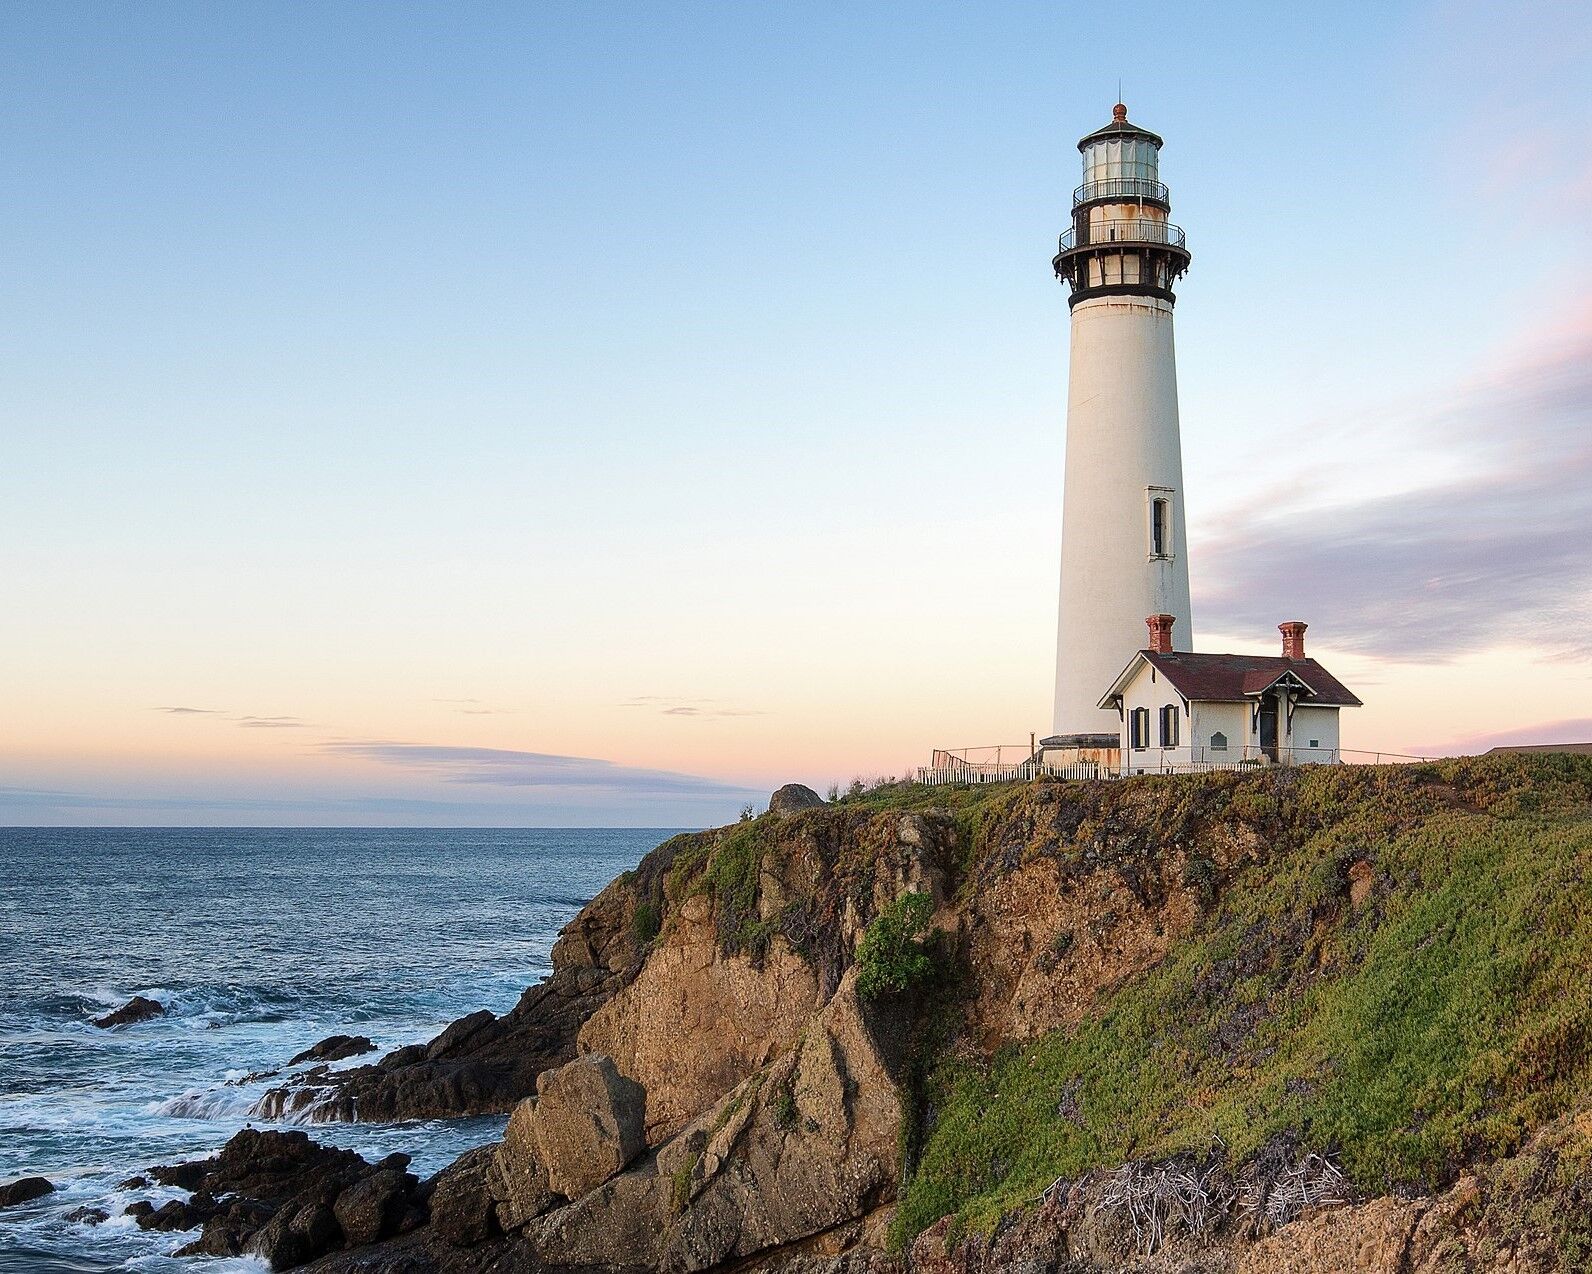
259, 942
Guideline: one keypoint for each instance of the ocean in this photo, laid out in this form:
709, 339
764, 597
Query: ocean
259, 942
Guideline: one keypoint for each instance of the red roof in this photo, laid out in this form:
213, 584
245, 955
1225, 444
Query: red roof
1236, 678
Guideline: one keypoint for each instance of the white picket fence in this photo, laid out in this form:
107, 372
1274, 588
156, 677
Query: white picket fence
1150, 761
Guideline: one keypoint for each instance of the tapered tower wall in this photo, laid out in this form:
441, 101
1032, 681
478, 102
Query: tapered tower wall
1123, 454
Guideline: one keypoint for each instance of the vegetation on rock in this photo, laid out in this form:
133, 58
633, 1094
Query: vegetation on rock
893, 956
1395, 974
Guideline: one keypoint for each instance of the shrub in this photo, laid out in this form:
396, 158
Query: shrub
646, 922
893, 957
785, 1108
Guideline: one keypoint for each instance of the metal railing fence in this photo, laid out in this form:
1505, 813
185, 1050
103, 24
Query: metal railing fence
1120, 188
1124, 230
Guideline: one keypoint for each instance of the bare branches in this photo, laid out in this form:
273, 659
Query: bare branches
1167, 1197
1270, 1196
1180, 1196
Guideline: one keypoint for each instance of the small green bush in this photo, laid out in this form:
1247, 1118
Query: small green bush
645, 922
893, 956
785, 1108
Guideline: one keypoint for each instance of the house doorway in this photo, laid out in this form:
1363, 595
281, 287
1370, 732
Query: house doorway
1268, 727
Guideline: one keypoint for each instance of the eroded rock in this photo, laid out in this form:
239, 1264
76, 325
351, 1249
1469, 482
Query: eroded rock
517, 1177
462, 1207
588, 1120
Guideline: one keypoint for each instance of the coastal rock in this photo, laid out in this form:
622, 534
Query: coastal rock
462, 1206
178, 1214
284, 1198
695, 1021
793, 798
334, 1048
588, 1121
24, 1190
88, 1216
808, 1144
297, 1234
517, 1177
138, 1009
373, 1207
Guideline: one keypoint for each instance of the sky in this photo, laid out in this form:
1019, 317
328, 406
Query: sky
600, 414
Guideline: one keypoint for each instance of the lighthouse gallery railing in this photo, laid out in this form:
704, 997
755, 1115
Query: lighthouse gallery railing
1127, 230
1124, 188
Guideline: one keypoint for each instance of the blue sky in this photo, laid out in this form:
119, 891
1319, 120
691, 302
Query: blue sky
682, 386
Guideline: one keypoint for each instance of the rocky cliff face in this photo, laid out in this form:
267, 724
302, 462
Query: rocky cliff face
1163, 1028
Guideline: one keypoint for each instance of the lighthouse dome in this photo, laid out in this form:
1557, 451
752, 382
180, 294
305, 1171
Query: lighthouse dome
1118, 129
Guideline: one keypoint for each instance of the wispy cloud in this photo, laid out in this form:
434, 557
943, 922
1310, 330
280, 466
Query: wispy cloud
191, 712
474, 707
506, 767
669, 706
1496, 556
272, 723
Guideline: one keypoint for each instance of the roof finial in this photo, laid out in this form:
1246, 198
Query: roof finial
1119, 112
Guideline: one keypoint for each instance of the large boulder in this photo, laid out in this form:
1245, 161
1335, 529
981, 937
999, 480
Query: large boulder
589, 1123
374, 1207
24, 1190
793, 798
138, 1009
517, 1178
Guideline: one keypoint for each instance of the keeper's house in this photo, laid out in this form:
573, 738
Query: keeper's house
1180, 709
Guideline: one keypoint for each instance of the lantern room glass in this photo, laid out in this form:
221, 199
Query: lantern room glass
1117, 158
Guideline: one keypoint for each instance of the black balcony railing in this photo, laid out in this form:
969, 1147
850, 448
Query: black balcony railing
1125, 188
1125, 230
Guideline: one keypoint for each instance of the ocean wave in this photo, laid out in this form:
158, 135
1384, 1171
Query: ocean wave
216, 1103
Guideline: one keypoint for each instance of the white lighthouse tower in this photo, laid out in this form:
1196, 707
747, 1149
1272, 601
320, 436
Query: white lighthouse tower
1123, 553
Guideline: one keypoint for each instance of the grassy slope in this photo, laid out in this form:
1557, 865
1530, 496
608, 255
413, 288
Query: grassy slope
1432, 1025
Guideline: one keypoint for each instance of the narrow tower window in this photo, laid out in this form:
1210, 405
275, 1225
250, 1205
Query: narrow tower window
1160, 529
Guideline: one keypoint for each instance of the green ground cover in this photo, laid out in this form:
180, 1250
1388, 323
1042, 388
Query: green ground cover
1432, 1024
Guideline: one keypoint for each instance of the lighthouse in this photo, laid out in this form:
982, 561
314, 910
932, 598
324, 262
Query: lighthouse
1123, 552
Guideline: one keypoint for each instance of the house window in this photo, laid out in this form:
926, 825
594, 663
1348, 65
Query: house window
1218, 742
1169, 723
1139, 729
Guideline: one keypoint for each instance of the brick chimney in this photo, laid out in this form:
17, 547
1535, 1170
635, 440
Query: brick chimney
1161, 633
1293, 639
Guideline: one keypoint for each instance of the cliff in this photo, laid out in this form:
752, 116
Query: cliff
1292, 1020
